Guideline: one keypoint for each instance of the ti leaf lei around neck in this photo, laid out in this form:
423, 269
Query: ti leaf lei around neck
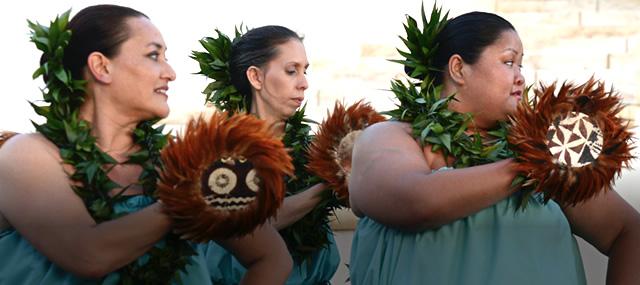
72, 135
310, 233
431, 120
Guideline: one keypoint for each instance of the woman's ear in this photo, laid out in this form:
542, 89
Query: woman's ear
455, 69
256, 77
99, 67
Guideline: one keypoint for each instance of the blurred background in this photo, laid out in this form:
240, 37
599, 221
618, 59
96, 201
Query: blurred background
348, 44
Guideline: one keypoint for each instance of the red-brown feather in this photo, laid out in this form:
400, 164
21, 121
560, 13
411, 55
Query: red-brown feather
206, 141
527, 136
324, 160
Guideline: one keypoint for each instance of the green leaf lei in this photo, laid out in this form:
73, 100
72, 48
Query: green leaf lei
72, 135
309, 234
214, 63
420, 102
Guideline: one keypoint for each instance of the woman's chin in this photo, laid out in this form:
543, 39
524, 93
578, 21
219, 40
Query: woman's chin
158, 114
511, 110
289, 113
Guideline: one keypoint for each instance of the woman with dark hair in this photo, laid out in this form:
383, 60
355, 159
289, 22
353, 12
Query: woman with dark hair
267, 69
423, 222
78, 208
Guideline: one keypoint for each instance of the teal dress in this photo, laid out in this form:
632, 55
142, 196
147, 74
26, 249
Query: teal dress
316, 271
20, 263
498, 245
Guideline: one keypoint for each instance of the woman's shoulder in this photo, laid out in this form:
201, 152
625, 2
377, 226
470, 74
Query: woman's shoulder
387, 129
389, 125
387, 135
28, 148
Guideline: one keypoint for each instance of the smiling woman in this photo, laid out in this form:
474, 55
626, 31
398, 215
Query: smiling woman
141, 65
80, 207
137, 78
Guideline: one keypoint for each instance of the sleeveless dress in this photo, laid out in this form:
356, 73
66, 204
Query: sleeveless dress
20, 263
498, 245
319, 270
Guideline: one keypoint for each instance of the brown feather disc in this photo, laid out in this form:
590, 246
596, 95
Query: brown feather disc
223, 177
572, 143
330, 151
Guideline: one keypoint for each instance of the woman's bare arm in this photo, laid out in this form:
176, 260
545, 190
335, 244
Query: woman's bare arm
610, 224
296, 206
37, 200
264, 254
392, 182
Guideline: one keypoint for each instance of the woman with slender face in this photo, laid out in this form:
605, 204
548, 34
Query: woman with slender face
268, 68
423, 222
280, 85
48, 234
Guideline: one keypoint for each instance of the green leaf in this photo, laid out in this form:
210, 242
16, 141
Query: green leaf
70, 132
40, 110
40, 71
61, 74
139, 157
425, 132
101, 209
91, 170
433, 140
437, 128
446, 140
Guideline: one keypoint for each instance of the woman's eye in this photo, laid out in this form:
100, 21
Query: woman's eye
153, 55
509, 63
291, 72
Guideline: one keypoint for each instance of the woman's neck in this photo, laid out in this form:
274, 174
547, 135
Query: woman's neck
274, 122
113, 135
478, 123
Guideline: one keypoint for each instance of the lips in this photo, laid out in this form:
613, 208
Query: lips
298, 100
162, 90
517, 94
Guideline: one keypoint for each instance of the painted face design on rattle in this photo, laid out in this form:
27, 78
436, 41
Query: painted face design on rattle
230, 184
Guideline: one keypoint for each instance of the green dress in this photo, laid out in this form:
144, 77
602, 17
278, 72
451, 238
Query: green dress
498, 245
20, 263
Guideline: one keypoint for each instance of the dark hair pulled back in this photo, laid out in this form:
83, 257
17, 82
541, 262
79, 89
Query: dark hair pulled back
467, 35
255, 48
100, 28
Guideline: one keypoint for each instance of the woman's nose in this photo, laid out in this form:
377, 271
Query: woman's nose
168, 72
519, 80
304, 84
